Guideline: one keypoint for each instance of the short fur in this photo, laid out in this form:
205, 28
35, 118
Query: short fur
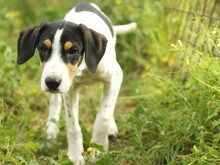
77, 50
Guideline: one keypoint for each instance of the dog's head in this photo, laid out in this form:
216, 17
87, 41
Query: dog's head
61, 47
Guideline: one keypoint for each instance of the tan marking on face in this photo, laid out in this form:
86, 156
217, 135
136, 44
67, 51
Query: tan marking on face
48, 43
68, 45
42, 64
72, 68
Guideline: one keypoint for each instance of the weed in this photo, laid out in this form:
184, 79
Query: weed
169, 106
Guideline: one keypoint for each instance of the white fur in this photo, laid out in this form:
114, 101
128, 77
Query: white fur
54, 116
56, 67
108, 71
121, 29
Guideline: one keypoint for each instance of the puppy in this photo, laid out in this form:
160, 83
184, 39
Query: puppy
80, 49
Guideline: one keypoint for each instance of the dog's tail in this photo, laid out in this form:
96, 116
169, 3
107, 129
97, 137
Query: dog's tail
121, 29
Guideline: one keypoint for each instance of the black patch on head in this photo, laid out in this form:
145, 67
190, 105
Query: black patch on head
84, 6
71, 33
50, 28
75, 41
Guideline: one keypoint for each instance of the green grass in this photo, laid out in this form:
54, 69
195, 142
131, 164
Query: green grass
169, 105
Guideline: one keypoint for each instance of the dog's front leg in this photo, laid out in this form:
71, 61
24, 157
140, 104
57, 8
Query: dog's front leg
74, 135
105, 123
54, 116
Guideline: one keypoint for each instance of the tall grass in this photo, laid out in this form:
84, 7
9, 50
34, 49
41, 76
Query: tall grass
168, 108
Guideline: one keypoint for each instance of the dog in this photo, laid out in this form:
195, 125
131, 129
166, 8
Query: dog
80, 49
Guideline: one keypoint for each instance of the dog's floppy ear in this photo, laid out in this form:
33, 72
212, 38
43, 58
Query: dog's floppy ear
27, 43
94, 47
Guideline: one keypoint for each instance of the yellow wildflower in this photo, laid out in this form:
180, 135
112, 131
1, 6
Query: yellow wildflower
130, 8
34, 91
118, 2
12, 14
161, 84
89, 149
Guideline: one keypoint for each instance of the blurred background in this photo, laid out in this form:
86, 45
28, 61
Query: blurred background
169, 106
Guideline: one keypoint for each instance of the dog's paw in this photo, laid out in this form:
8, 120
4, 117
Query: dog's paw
77, 160
113, 130
52, 131
94, 155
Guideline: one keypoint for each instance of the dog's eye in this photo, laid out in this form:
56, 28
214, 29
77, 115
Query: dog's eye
73, 51
43, 48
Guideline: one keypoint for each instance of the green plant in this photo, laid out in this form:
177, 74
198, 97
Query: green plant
168, 108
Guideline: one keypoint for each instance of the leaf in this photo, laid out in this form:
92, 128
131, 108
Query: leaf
50, 160
64, 159
98, 146
216, 137
31, 146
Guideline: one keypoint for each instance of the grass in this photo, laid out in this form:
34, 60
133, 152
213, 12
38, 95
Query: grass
169, 105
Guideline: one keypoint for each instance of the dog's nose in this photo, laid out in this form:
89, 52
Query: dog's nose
52, 82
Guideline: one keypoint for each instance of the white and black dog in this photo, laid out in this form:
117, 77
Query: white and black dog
80, 49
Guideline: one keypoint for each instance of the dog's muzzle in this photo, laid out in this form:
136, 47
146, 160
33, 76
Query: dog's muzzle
52, 83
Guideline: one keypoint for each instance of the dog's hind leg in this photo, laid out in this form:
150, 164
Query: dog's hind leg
54, 116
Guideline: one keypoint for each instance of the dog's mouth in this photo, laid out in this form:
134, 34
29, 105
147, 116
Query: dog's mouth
58, 90
53, 91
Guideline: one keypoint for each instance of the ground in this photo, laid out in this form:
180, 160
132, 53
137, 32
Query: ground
168, 107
